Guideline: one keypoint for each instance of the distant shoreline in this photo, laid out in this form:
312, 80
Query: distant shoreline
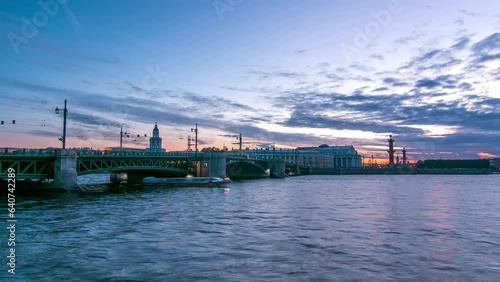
400, 171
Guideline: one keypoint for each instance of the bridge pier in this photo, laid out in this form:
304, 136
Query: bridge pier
296, 170
65, 175
212, 165
277, 168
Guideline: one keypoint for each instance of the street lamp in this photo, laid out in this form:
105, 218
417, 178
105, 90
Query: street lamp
240, 143
65, 113
195, 130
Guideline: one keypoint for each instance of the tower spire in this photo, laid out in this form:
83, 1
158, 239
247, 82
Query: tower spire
391, 151
155, 141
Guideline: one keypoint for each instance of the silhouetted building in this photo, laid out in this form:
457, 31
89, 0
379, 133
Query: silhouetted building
323, 156
155, 141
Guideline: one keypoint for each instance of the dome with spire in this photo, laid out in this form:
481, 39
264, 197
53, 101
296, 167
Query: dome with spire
156, 131
155, 141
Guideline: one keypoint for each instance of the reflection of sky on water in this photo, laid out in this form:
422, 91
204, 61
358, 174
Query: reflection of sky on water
313, 228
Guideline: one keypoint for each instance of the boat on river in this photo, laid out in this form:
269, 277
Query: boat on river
187, 181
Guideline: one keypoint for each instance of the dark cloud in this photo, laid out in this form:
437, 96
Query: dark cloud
333, 77
300, 51
485, 58
488, 48
257, 134
44, 133
393, 113
460, 21
427, 83
92, 120
380, 89
400, 84
361, 67
214, 102
390, 80
467, 13
428, 55
407, 39
323, 65
459, 145
465, 86
394, 82
239, 89
377, 56
195, 108
448, 78
275, 74
301, 119
435, 60
461, 43
133, 86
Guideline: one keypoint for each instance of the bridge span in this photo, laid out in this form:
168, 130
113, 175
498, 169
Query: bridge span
64, 165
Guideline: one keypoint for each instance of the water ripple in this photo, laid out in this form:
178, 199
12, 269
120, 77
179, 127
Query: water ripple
314, 228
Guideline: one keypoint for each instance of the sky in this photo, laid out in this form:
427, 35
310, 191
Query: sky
290, 73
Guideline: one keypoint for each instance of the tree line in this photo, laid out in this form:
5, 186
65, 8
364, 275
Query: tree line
453, 164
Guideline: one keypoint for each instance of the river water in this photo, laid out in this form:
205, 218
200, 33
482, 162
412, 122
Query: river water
307, 228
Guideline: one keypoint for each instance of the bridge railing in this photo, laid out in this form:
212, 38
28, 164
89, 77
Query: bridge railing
52, 152
26, 152
107, 153
261, 157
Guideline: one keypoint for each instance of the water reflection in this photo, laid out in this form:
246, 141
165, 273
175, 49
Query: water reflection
298, 229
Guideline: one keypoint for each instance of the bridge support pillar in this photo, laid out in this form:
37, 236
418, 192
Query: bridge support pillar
277, 168
212, 165
65, 175
134, 177
296, 170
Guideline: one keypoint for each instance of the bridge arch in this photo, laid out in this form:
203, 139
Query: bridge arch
246, 169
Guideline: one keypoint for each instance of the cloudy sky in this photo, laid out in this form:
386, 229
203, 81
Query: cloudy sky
295, 73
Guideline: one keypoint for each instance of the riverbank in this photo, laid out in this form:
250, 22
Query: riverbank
398, 170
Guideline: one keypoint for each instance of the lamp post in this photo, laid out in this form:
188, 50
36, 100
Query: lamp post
240, 142
189, 143
274, 151
65, 113
195, 130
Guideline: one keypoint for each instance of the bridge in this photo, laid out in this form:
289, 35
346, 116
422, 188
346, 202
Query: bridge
239, 166
64, 165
